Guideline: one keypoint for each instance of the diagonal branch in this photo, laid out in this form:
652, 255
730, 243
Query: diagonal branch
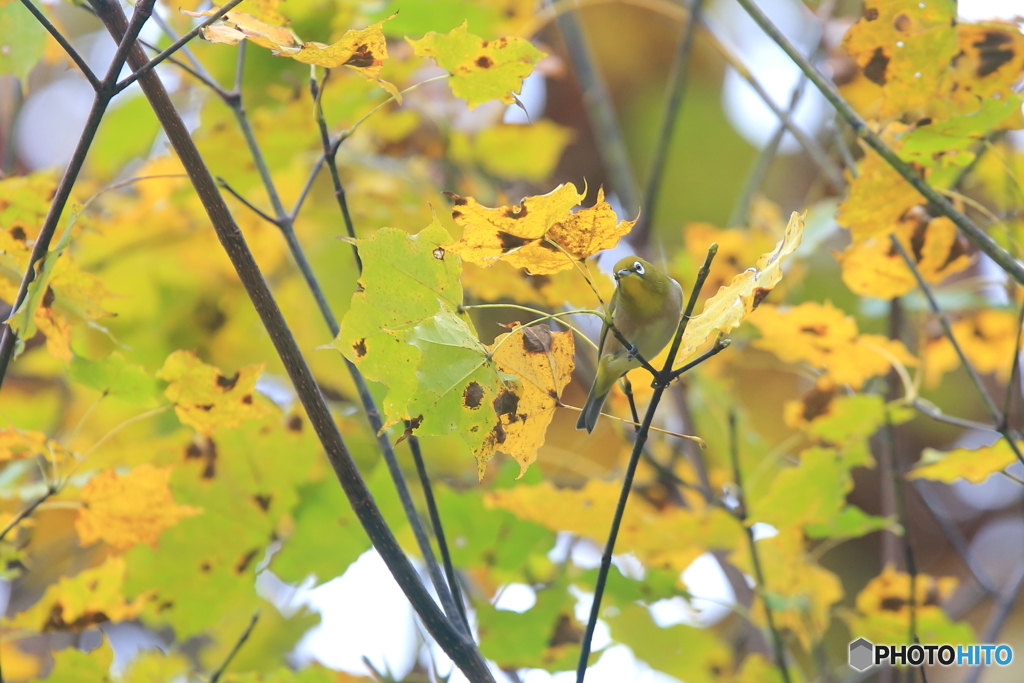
94, 81
177, 45
462, 650
860, 127
661, 383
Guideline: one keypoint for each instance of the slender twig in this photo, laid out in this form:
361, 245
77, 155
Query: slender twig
673, 104
611, 145
238, 646
435, 522
104, 94
204, 79
52, 489
223, 184
934, 413
94, 81
1011, 385
627, 389
330, 158
462, 650
860, 126
755, 558
631, 349
720, 345
947, 331
661, 383
177, 45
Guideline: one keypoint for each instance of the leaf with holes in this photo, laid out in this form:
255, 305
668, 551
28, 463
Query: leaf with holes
482, 70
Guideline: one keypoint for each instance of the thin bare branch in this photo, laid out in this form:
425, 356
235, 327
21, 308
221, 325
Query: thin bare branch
94, 81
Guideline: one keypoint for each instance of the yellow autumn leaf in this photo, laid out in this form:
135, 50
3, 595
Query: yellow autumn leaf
363, 50
883, 610
905, 46
672, 537
989, 61
522, 235
874, 268
18, 666
724, 311
125, 510
207, 400
826, 338
82, 601
17, 444
986, 337
543, 362
801, 592
878, 196
971, 464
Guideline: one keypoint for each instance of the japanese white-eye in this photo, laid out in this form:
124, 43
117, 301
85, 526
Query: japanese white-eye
645, 309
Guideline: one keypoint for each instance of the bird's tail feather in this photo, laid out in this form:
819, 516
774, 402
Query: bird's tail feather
591, 410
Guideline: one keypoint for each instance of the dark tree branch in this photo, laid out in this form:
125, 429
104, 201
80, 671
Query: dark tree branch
94, 81
104, 94
223, 184
860, 127
662, 380
149, 65
27, 511
462, 651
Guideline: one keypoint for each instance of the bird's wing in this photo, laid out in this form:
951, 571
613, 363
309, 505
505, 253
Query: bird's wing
604, 327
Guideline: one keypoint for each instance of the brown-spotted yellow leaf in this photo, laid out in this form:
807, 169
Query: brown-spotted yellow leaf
971, 464
732, 303
522, 235
82, 601
543, 362
986, 337
482, 70
673, 537
362, 50
879, 196
125, 510
825, 337
989, 63
874, 268
883, 610
905, 46
207, 400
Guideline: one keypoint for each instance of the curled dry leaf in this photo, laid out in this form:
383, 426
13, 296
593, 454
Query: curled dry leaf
725, 310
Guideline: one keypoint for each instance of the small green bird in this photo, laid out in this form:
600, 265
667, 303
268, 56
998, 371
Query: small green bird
645, 309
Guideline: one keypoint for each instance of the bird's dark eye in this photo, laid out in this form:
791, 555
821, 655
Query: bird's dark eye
638, 268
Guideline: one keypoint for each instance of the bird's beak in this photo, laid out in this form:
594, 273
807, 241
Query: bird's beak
619, 274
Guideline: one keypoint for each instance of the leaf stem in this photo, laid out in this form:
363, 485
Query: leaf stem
238, 646
860, 127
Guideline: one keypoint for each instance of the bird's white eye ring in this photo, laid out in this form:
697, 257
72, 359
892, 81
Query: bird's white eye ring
638, 268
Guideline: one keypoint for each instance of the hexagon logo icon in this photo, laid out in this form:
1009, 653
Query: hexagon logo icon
861, 654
